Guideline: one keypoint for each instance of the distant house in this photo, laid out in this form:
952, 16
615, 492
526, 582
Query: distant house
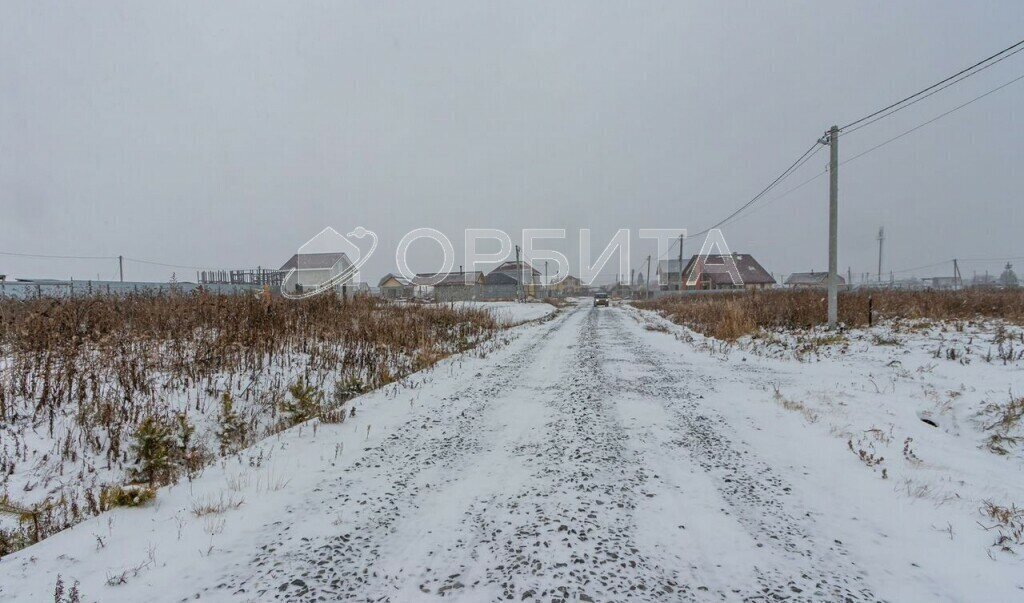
3, 277
570, 285
519, 275
448, 286
943, 283
312, 270
711, 275
396, 287
450, 279
513, 273
811, 280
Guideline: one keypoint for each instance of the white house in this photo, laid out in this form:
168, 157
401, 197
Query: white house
314, 269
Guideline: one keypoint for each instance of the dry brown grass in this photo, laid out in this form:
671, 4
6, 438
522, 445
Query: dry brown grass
729, 316
86, 372
1008, 522
1003, 421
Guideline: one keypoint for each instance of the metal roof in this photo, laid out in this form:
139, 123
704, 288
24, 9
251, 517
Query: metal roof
315, 261
811, 278
450, 279
750, 270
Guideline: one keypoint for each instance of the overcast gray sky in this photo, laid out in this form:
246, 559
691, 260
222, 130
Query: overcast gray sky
225, 134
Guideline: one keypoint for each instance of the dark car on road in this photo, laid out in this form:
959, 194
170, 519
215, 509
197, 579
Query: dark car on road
600, 299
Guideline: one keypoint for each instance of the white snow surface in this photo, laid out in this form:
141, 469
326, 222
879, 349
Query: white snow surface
510, 312
602, 455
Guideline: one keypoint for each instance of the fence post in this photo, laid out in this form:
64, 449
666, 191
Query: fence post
869, 310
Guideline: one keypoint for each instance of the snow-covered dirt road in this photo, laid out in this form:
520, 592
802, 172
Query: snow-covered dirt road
577, 462
563, 472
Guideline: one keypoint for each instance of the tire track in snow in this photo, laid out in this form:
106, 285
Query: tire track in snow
357, 512
807, 568
526, 485
566, 534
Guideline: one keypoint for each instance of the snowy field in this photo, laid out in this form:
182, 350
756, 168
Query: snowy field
510, 313
71, 410
603, 455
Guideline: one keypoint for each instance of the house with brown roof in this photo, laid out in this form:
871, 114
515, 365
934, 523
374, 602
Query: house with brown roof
712, 275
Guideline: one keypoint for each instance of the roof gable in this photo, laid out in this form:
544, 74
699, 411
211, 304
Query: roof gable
315, 261
514, 266
749, 268
393, 280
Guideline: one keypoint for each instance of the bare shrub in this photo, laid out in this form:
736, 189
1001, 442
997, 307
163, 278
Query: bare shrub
71, 596
1003, 420
126, 496
216, 505
794, 405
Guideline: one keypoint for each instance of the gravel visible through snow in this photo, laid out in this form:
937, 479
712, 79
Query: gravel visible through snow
531, 483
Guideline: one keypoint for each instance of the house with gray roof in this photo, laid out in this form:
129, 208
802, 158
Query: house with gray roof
513, 273
811, 280
308, 271
395, 286
449, 279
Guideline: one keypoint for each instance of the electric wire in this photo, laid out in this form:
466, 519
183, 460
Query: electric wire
939, 83
932, 120
919, 99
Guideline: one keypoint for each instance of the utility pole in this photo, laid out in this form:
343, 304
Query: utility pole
833, 226
519, 287
957, 280
881, 239
849, 278
632, 275
647, 287
680, 262
545, 277
120, 266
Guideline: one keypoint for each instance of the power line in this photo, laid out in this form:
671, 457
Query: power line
785, 194
992, 259
935, 85
814, 148
872, 148
675, 241
934, 119
936, 91
138, 261
96, 257
58, 257
943, 262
